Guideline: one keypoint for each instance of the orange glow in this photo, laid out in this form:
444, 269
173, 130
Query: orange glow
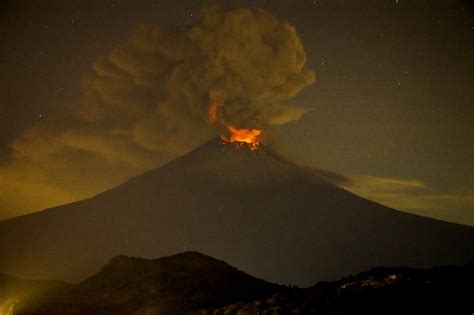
240, 136
249, 136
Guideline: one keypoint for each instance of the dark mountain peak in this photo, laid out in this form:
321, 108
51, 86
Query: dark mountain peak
184, 266
188, 259
176, 283
217, 153
231, 152
227, 163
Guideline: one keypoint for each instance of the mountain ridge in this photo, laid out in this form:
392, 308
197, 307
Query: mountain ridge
265, 214
195, 283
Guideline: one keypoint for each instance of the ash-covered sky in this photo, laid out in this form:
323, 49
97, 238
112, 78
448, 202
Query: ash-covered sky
391, 107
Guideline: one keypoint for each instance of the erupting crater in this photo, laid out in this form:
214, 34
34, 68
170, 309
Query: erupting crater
235, 135
243, 136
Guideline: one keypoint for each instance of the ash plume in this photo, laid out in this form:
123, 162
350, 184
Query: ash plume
149, 100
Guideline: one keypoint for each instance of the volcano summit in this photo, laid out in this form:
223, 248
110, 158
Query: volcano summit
251, 207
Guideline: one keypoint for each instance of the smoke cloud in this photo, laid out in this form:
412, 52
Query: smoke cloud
149, 100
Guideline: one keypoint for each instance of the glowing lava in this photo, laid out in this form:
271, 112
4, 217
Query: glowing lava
239, 136
248, 136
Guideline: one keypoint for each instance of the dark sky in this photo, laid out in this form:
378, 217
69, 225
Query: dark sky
392, 107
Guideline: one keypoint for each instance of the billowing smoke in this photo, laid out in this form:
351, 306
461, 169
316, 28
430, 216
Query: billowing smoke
158, 86
157, 95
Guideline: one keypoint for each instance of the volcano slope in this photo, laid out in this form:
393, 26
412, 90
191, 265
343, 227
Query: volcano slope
262, 213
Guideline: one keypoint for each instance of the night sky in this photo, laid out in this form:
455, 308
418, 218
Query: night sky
391, 107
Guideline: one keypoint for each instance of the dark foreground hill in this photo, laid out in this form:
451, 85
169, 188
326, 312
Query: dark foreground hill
192, 283
255, 209
181, 283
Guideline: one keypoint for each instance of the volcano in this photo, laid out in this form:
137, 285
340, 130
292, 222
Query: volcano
251, 207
